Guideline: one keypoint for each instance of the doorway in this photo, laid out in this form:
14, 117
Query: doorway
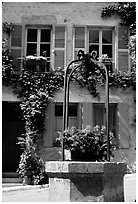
12, 128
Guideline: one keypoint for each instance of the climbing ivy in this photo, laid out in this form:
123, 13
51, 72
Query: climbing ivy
126, 11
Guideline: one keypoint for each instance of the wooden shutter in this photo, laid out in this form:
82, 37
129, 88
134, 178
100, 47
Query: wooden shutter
123, 56
87, 114
59, 50
79, 40
16, 45
98, 114
123, 125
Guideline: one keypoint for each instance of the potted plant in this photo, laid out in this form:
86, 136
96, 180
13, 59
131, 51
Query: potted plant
89, 144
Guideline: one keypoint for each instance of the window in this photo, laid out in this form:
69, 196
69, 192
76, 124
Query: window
105, 40
72, 116
94, 38
101, 41
72, 110
38, 44
99, 116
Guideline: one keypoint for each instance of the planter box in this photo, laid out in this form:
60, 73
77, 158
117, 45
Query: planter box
36, 62
80, 156
85, 181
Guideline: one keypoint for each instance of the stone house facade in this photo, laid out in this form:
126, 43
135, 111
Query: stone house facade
61, 29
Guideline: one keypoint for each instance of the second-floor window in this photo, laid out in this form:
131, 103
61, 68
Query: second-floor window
101, 41
105, 40
38, 44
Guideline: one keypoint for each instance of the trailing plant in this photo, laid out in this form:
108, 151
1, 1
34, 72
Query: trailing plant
31, 166
132, 49
88, 140
7, 27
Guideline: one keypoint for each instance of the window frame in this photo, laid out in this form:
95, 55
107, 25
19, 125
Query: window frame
113, 107
86, 44
39, 28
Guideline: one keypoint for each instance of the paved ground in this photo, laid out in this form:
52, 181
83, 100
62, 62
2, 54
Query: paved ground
20, 193
6, 185
130, 187
16, 192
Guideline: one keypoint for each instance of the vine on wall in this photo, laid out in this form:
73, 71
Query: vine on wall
127, 13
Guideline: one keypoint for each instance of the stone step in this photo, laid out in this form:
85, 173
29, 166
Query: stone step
11, 177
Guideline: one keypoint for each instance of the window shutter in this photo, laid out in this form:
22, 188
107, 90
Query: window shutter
87, 114
123, 60
16, 45
79, 40
59, 53
123, 119
123, 56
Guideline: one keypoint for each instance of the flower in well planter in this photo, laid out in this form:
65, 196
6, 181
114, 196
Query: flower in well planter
87, 144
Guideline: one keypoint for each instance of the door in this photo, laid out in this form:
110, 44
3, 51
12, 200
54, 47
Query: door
12, 128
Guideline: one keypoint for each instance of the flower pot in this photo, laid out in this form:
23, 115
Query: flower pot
82, 156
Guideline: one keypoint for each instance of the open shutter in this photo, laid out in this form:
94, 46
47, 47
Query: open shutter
79, 40
59, 52
123, 119
87, 114
16, 45
123, 55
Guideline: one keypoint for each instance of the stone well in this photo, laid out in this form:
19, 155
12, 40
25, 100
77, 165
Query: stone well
71, 181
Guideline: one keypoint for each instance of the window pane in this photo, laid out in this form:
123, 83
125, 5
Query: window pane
99, 115
107, 49
32, 35
72, 110
31, 48
107, 36
45, 35
79, 37
45, 47
94, 47
94, 36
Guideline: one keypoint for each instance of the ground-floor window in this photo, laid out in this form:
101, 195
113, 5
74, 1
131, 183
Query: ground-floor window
99, 115
72, 114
